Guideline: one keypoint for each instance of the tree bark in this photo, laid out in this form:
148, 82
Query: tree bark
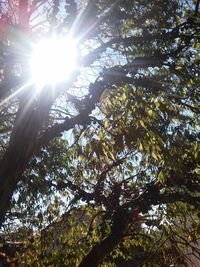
98, 253
22, 147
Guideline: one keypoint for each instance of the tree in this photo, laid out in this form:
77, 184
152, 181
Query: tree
108, 162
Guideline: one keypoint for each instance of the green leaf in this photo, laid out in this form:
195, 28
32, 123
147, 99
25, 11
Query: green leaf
161, 177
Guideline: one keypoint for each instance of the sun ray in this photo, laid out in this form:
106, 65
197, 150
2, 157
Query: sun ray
16, 93
77, 22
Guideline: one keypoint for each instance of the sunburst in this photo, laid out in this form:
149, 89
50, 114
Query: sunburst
53, 60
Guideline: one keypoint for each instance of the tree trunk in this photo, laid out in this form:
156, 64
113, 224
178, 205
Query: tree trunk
23, 145
98, 253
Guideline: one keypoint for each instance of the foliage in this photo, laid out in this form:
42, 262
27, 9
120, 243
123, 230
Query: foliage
103, 169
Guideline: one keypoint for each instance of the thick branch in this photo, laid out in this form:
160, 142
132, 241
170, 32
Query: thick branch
102, 249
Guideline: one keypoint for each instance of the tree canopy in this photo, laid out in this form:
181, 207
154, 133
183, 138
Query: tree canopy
101, 169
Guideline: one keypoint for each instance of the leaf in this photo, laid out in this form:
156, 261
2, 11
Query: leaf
150, 112
161, 177
178, 68
101, 135
83, 133
196, 150
111, 155
106, 123
154, 156
142, 124
140, 147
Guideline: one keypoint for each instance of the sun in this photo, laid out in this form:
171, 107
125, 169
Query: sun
53, 60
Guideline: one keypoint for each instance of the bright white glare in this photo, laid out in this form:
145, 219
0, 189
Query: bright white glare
53, 60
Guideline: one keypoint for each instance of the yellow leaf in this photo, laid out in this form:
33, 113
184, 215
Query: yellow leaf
142, 123
178, 68
161, 177
106, 123
111, 155
154, 156
101, 135
150, 112
140, 147
83, 133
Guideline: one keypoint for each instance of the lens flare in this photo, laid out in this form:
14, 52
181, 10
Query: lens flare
53, 60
